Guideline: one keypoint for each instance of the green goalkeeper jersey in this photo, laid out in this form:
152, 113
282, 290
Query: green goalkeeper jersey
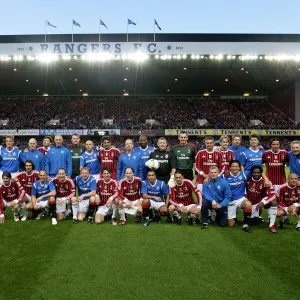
185, 156
76, 152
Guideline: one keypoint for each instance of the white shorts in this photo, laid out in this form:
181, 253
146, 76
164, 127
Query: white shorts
96, 176
103, 210
180, 205
156, 205
233, 206
132, 203
83, 206
200, 187
63, 207
8, 204
42, 204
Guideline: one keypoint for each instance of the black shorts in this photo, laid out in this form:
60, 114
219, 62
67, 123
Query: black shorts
188, 174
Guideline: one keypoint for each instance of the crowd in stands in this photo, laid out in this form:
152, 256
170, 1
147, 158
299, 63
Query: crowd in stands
132, 113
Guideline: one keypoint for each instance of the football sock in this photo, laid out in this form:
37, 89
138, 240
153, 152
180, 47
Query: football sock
176, 214
247, 216
272, 212
91, 210
52, 207
298, 223
146, 210
114, 209
122, 214
75, 208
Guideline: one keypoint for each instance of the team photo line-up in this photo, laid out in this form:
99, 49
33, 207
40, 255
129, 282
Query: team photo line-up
208, 186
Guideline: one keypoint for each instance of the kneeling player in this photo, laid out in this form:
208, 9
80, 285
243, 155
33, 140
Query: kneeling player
43, 195
237, 181
182, 201
106, 192
154, 193
86, 185
12, 193
65, 190
289, 195
261, 197
130, 195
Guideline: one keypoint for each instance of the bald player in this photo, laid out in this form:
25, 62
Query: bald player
31, 153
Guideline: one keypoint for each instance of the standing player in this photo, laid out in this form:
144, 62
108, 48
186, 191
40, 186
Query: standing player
106, 192
216, 195
294, 158
65, 190
185, 157
143, 153
130, 195
227, 154
90, 160
42, 194
47, 141
33, 155
253, 155
58, 157
261, 197
108, 156
155, 194
167, 161
236, 146
76, 150
86, 186
237, 181
207, 158
11, 194
27, 178
289, 200
275, 160
181, 200
129, 159
10, 158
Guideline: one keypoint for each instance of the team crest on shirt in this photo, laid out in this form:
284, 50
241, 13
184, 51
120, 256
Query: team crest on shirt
218, 187
276, 157
189, 151
157, 188
167, 155
62, 151
14, 154
209, 156
240, 177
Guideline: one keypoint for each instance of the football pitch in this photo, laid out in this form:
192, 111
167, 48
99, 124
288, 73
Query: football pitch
162, 261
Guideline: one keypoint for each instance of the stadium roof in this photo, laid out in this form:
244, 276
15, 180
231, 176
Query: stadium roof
154, 76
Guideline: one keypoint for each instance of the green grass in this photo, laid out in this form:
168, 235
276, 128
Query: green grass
162, 261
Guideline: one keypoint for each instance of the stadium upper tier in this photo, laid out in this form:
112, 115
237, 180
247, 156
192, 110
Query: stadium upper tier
140, 113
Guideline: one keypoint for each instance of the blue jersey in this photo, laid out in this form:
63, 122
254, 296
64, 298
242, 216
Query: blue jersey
237, 151
85, 187
91, 160
159, 189
129, 160
251, 158
294, 163
237, 185
10, 159
36, 157
143, 155
39, 189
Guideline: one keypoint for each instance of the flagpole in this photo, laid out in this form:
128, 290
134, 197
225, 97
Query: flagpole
127, 29
99, 30
154, 31
72, 30
45, 31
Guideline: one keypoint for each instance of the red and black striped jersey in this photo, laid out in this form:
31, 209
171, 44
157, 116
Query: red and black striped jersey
289, 195
130, 190
256, 191
205, 160
183, 194
12, 192
1, 207
27, 181
64, 189
105, 190
275, 165
109, 158
227, 157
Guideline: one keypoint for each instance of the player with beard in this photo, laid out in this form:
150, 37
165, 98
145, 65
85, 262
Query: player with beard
275, 160
108, 156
